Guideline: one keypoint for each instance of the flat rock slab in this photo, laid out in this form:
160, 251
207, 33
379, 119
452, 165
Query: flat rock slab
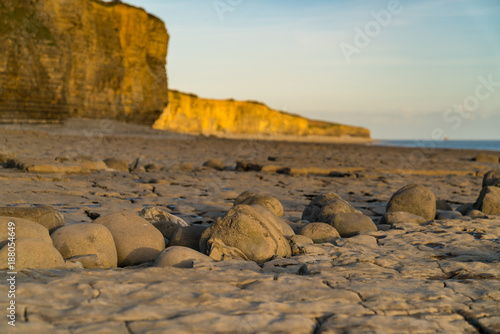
444, 278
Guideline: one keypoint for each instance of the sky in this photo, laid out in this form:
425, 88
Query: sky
405, 69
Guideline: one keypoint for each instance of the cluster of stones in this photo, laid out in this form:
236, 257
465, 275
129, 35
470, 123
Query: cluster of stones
254, 229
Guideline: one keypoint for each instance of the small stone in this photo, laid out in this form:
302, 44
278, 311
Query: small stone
489, 201
87, 239
268, 202
188, 236
320, 232
415, 199
350, 224
448, 215
244, 229
246, 166
492, 178
180, 257
398, 217
119, 165
23, 228
44, 215
477, 214
33, 254
136, 240
301, 239
214, 164
185, 167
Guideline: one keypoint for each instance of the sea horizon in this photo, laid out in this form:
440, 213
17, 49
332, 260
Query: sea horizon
459, 144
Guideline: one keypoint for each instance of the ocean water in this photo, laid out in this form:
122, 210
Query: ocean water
483, 145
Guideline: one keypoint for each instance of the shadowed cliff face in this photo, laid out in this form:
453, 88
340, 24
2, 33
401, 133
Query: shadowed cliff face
82, 58
191, 114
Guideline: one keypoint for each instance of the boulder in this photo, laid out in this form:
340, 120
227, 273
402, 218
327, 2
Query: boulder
415, 199
188, 236
243, 196
22, 229
87, 239
119, 165
492, 178
350, 224
268, 202
334, 208
44, 215
179, 257
448, 215
280, 222
320, 232
465, 208
443, 205
489, 201
32, 254
249, 232
399, 217
313, 210
214, 164
165, 222
136, 240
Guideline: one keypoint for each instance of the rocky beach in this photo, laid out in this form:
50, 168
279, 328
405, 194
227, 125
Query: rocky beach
335, 263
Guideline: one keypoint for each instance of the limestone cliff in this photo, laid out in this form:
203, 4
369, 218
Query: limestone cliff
191, 114
84, 58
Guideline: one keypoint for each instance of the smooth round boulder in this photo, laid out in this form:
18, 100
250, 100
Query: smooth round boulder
188, 236
243, 196
44, 215
119, 165
488, 201
23, 228
351, 224
320, 232
269, 202
136, 240
243, 229
334, 208
165, 222
180, 257
492, 178
280, 222
399, 217
443, 215
414, 198
312, 211
87, 239
32, 254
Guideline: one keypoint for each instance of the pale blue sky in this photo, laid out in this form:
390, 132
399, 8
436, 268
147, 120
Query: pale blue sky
287, 54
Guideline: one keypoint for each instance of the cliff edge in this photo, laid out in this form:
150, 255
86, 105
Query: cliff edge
190, 114
81, 58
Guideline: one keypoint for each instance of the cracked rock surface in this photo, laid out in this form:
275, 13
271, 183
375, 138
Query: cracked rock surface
441, 276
